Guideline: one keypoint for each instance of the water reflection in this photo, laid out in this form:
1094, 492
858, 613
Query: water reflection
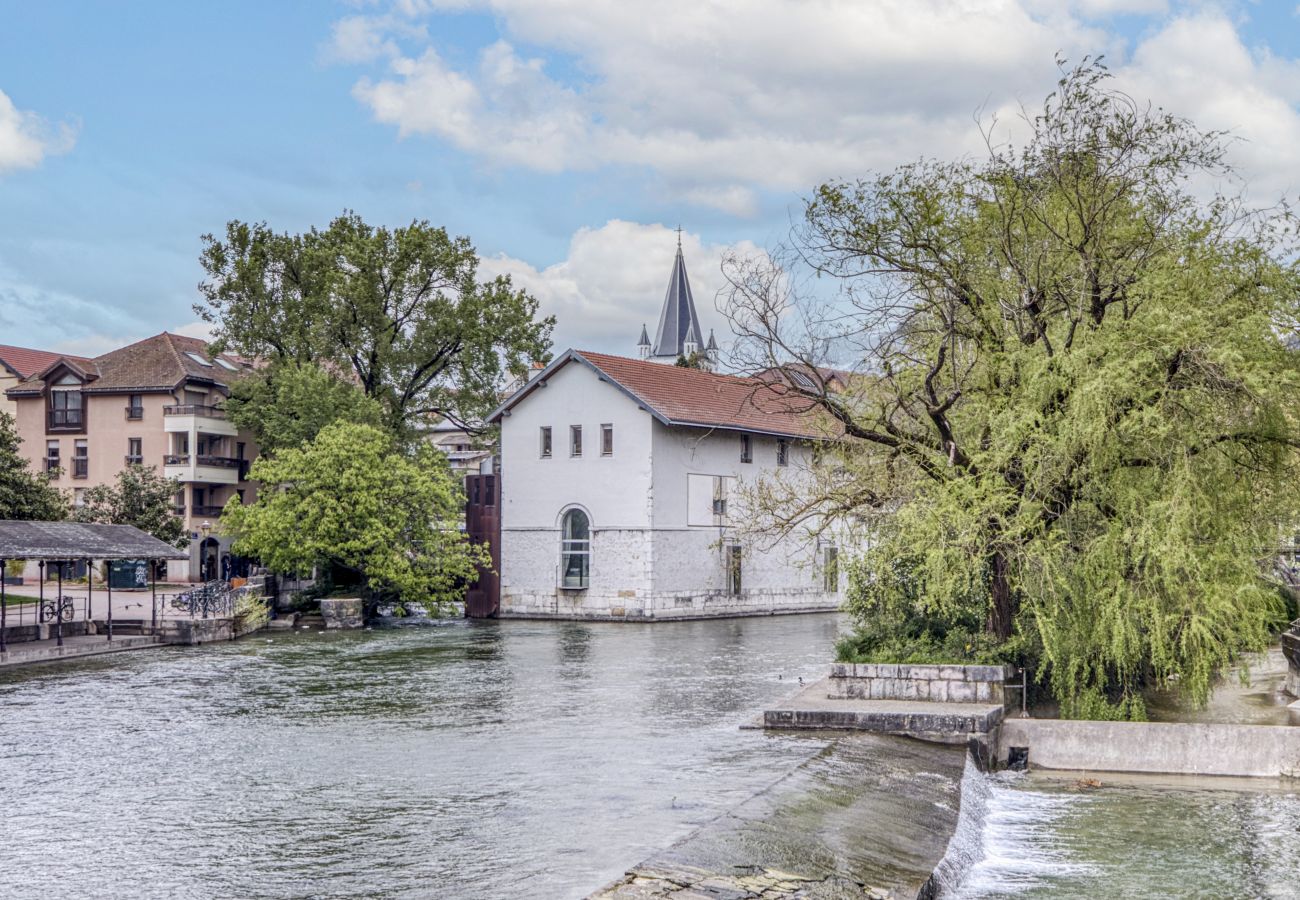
470, 760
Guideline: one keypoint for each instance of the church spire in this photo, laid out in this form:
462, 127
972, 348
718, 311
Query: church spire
678, 323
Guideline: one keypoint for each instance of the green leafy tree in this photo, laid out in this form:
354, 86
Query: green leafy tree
400, 309
287, 404
24, 495
1076, 400
350, 498
140, 497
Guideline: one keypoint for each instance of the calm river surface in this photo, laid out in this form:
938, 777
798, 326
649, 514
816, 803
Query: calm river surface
469, 760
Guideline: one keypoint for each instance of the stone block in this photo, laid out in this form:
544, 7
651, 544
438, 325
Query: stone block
618, 610
348, 612
939, 691
887, 670
982, 692
841, 670
952, 673
921, 688
961, 692
986, 673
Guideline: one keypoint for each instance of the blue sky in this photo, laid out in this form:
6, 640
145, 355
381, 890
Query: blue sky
566, 139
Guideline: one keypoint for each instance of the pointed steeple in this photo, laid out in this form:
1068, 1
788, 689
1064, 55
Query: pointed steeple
678, 323
643, 345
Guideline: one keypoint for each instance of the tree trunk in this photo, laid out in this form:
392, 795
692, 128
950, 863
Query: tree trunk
1002, 610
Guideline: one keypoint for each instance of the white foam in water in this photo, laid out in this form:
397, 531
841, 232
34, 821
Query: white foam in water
1005, 841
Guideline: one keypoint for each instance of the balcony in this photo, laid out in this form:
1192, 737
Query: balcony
135, 412
204, 468
195, 419
194, 409
178, 509
65, 420
135, 460
207, 511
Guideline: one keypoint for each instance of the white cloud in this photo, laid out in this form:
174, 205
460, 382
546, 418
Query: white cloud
613, 281
722, 100
26, 138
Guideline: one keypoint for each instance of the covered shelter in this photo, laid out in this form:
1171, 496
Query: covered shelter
61, 543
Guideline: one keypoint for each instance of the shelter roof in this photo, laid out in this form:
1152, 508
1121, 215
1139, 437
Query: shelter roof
696, 398
79, 540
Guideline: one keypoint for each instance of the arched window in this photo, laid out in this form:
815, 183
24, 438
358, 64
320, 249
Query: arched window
575, 550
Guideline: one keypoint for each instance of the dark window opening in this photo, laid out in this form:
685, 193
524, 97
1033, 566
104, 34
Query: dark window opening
607, 440
575, 440
746, 449
782, 452
734, 555
546, 442
575, 550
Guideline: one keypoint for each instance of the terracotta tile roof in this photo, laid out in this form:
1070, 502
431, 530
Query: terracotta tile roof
160, 362
691, 397
24, 362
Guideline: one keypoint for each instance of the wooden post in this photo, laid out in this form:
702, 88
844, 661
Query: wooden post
109, 582
3, 621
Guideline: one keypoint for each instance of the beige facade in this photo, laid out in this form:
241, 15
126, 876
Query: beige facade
85, 422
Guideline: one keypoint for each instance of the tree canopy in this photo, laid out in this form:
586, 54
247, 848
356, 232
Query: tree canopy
24, 495
402, 310
1073, 417
350, 497
287, 403
141, 497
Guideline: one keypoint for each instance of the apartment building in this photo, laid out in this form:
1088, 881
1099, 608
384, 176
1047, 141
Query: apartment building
17, 363
158, 403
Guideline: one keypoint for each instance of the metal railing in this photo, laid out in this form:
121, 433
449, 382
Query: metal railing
80, 466
176, 459
208, 510
220, 462
135, 412
195, 409
212, 599
65, 418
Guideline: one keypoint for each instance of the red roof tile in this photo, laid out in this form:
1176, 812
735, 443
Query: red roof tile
681, 396
25, 362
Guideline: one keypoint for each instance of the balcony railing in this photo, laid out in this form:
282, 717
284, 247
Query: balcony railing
51, 463
179, 509
65, 418
176, 459
207, 510
134, 460
135, 412
80, 467
220, 462
193, 409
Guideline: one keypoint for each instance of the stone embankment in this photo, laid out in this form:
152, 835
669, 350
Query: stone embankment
869, 816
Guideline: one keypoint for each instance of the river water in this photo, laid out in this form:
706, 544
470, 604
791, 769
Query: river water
469, 760
1031, 836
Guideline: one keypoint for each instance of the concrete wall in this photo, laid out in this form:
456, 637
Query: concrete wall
1265, 751
940, 684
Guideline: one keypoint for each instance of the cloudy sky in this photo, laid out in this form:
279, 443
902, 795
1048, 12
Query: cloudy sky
567, 138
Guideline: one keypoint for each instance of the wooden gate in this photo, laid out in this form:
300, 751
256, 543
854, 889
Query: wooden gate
483, 524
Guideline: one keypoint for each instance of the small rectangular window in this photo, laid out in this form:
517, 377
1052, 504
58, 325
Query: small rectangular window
719, 496
51, 455
831, 569
734, 555
135, 407
782, 452
546, 442
80, 459
575, 440
134, 453
746, 449
607, 440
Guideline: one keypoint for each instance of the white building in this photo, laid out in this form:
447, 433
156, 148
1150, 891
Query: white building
618, 488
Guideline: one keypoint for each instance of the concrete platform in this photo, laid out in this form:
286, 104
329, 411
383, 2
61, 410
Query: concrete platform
813, 708
73, 647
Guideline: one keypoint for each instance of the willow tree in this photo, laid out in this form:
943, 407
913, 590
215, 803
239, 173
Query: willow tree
1072, 419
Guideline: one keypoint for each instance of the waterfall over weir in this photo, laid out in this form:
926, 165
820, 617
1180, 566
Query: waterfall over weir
1030, 836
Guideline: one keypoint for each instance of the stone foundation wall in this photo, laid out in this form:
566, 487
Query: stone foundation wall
642, 606
940, 684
